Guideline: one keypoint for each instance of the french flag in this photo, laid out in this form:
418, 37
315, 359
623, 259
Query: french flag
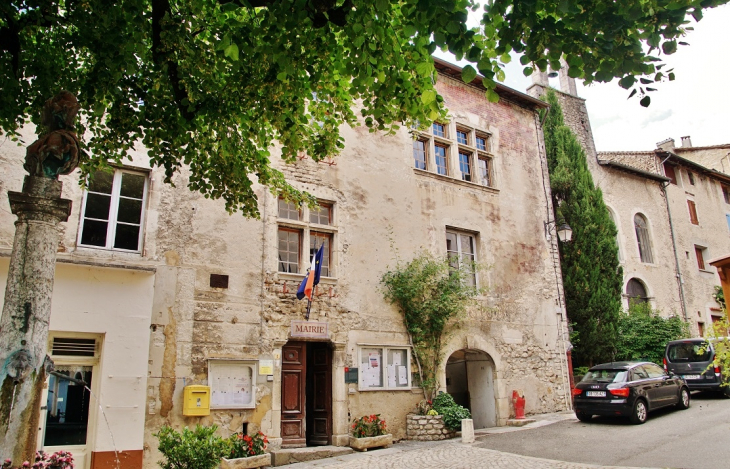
306, 288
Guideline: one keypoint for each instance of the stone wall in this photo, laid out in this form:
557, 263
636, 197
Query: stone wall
427, 428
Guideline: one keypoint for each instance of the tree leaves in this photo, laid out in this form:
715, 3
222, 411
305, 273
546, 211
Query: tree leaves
468, 74
220, 82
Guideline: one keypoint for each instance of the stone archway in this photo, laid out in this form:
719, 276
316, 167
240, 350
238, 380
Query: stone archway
470, 380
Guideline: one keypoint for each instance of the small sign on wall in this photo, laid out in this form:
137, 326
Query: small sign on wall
266, 367
310, 329
351, 375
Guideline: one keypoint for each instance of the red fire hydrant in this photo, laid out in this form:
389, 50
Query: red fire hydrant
518, 402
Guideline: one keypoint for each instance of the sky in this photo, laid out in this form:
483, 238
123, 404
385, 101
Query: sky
695, 104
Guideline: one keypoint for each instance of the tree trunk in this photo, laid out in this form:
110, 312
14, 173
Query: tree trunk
26, 314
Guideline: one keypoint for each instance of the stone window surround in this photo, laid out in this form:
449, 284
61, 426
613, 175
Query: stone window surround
453, 148
638, 277
304, 228
384, 376
113, 209
647, 238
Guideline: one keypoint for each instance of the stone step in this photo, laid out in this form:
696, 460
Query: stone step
282, 457
519, 422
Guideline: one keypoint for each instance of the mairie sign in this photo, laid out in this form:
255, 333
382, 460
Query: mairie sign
311, 329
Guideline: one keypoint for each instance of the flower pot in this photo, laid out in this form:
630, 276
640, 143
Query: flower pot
247, 463
362, 444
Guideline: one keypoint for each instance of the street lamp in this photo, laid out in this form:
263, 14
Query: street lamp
565, 232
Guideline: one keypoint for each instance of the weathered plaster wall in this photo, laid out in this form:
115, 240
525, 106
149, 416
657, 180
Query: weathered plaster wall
377, 196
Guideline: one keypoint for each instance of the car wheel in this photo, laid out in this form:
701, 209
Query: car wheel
683, 402
584, 417
726, 391
639, 412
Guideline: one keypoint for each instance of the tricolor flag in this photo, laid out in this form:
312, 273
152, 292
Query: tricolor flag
312, 278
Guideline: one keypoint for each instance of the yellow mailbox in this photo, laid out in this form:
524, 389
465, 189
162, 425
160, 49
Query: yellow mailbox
196, 400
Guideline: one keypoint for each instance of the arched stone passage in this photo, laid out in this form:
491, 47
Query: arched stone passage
470, 380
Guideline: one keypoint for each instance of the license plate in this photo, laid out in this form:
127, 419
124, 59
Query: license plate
692, 376
595, 393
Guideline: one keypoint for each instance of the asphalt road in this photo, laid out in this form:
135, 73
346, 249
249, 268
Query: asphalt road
696, 438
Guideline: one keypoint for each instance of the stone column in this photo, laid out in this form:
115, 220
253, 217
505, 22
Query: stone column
27, 310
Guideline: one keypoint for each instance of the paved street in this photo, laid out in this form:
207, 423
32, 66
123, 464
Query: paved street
697, 438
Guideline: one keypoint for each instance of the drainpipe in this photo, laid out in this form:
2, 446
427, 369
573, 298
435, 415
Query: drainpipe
674, 244
263, 260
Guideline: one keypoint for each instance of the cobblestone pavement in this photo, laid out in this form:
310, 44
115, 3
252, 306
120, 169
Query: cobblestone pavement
449, 454
446, 455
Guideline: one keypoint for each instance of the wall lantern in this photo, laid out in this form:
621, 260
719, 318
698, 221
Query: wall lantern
565, 232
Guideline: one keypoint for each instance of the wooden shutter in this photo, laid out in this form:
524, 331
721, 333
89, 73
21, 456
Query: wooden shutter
692, 212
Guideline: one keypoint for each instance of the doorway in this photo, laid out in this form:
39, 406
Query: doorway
470, 380
306, 394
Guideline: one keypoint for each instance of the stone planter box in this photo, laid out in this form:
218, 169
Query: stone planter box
363, 444
247, 463
427, 428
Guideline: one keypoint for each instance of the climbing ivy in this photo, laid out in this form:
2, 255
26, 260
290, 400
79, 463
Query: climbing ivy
429, 293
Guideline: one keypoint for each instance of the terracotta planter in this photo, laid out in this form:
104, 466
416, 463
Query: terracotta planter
247, 463
362, 444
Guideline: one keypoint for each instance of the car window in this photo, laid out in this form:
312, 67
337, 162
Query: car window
639, 373
653, 370
605, 376
689, 352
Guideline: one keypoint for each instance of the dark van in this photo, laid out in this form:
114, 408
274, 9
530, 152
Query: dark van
692, 360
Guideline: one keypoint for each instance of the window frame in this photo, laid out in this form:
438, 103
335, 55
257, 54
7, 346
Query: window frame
725, 193
305, 228
459, 251
692, 207
300, 235
115, 197
445, 159
468, 163
443, 133
384, 373
279, 202
646, 255
700, 256
416, 161
668, 168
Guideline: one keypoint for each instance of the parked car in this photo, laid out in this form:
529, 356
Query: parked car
692, 359
628, 389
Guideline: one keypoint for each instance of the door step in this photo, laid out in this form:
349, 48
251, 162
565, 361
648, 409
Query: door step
282, 457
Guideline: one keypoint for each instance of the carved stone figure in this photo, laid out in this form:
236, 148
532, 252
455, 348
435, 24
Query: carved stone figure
57, 150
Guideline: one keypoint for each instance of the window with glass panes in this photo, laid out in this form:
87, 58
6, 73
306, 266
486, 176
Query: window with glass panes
289, 250
460, 249
419, 153
439, 130
465, 166
641, 226
113, 210
301, 233
316, 240
482, 143
462, 137
288, 210
441, 161
321, 214
385, 367
485, 173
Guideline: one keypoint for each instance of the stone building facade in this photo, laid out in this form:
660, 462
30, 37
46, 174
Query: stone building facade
671, 206
172, 291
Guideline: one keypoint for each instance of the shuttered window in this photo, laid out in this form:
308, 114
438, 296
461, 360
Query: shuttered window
693, 212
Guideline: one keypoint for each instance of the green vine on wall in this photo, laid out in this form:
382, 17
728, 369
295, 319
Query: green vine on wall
429, 292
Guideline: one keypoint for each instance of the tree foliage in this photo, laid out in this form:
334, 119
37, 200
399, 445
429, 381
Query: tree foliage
719, 333
643, 333
213, 84
429, 293
591, 271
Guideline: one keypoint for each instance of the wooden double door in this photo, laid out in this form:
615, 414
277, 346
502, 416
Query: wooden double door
306, 394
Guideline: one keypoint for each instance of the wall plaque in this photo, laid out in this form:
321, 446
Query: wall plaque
310, 329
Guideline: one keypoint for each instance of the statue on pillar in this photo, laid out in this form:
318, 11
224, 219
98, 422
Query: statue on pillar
57, 149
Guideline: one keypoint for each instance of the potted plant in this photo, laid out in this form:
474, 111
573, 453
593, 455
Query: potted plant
57, 460
246, 452
200, 448
369, 432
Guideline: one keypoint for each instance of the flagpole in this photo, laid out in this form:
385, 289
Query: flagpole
309, 303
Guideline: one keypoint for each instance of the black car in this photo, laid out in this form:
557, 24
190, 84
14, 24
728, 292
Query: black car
628, 389
693, 360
